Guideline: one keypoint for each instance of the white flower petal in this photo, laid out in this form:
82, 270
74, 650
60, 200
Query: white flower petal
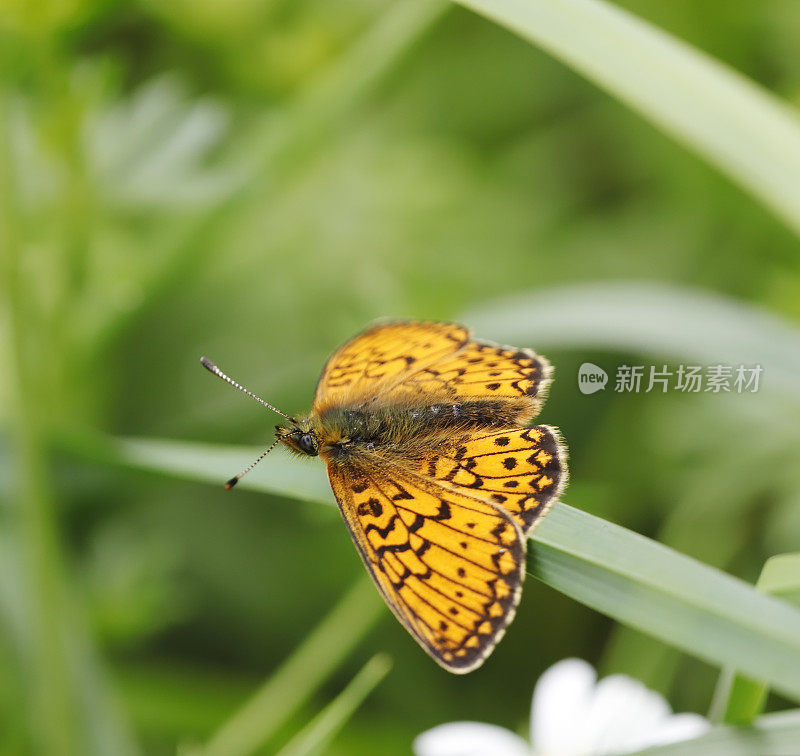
470, 739
561, 703
623, 715
677, 728
573, 716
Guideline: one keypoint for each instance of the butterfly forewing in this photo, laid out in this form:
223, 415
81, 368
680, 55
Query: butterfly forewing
449, 565
381, 357
486, 371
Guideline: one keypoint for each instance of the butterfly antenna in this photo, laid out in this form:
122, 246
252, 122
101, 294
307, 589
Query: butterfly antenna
233, 481
212, 368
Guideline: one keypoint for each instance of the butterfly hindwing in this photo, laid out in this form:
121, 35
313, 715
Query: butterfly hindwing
522, 470
450, 566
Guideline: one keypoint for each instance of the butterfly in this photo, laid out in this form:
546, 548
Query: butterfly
437, 474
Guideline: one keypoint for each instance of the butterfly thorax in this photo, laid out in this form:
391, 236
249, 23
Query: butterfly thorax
407, 428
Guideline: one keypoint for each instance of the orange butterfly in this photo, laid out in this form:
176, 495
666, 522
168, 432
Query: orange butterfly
437, 476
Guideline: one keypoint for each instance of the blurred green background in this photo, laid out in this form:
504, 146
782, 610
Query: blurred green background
256, 180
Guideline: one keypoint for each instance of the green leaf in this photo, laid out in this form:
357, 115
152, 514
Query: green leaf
774, 734
727, 119
737, 700
277, 473
743, 698
684, 603
781, 577
636, 581
315, 737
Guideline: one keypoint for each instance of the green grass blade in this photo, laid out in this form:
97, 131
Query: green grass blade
672, 597
781, 577
70, 706
327, 645
274, 474
727, 119
315, 737
636, 581
774, 734
652, 319
738, 699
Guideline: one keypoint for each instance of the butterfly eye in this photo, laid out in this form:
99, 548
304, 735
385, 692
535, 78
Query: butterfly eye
308, 443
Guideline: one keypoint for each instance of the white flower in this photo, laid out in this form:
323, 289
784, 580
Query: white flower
572, 715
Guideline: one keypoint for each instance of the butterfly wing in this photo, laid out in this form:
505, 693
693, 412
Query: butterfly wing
484, 370
382, 356
449, 566
405, 360
522, 470
442, 533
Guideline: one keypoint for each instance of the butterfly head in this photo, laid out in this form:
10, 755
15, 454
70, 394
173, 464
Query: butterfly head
300, 437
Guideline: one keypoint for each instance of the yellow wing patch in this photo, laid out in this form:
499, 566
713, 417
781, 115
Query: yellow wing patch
521, 470
450, 566
487, 371
383, 355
